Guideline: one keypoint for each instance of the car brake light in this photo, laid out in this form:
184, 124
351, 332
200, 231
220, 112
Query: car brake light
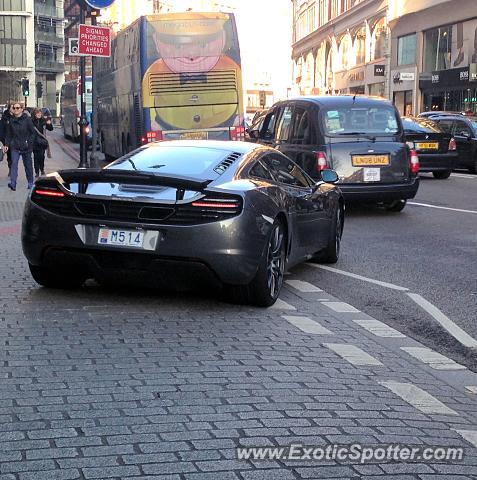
452, 145
321, 161
216, 204
414, 162
43, 192
152, 137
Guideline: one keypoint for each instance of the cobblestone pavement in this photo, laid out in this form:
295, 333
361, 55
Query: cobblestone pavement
104, 384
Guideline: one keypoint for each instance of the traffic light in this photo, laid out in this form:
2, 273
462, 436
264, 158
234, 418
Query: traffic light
39, 89
26, 87
262, 98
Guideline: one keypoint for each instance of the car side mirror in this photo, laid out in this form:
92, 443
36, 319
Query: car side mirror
329, 176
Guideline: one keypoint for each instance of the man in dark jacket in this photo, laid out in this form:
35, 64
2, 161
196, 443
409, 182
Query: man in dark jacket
19, 138
7, 115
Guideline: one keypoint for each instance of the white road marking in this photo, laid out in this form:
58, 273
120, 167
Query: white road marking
419, 398
282, 305
307, 325
304, 287
469, 435
441, 208
379, 329
433, 359
353, 354
465, 175
341, 307
472, 389
359, 277
457, 332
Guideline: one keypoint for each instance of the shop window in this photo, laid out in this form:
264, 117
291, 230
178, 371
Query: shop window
403, 102
438, 49
407, 49
377, 89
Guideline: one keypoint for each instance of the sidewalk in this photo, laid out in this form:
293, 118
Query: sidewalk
11, 203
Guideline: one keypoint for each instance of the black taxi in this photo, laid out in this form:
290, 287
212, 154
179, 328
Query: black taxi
361, 138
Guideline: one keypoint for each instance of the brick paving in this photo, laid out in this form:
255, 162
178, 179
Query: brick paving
104, 384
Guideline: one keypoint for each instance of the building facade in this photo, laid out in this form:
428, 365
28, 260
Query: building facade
422, 54
17, 49
49, 52
340, 46
434, 60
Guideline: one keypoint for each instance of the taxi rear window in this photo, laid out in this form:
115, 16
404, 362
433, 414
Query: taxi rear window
379, 120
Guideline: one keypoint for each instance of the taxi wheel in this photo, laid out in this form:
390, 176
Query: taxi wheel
51, 279
442, 175
395, 206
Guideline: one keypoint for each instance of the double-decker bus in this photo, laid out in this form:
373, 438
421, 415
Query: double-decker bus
70, 106
171, 76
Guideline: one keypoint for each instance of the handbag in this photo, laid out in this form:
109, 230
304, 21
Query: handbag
40, 142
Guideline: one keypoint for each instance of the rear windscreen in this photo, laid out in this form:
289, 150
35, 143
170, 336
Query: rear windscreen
419, 125
379, 120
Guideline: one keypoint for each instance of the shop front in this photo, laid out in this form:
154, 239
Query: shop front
450, 90
403, 87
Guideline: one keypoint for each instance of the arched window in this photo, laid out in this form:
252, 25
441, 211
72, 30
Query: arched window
360, 46
379, 40
345, 50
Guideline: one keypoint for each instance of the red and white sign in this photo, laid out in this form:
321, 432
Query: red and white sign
95, 41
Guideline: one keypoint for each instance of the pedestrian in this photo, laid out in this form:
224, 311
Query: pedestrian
7, 115
19, 138
39, 145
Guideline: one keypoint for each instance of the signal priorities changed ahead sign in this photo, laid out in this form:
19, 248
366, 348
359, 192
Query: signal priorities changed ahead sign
95, 41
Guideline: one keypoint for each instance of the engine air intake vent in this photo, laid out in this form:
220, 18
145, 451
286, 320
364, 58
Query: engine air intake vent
224, 164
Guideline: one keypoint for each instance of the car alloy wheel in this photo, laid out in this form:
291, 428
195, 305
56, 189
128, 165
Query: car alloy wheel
275, 261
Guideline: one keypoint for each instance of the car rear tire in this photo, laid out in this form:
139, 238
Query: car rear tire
331, 253
51, 279
395, 206
265, 287
442, 175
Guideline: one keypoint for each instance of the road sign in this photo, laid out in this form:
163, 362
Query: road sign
94, 41
100, 3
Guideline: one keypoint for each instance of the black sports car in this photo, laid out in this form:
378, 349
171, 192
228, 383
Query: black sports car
233, 213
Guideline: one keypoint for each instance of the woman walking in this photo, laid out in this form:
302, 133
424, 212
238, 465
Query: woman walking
40, 147
19, 138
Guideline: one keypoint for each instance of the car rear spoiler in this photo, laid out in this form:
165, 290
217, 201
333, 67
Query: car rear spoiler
86, 176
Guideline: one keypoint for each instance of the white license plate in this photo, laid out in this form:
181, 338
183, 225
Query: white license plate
122, 238
371, 174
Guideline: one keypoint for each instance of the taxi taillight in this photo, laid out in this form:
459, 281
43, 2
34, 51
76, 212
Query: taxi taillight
452, 145
321, 161
414, 164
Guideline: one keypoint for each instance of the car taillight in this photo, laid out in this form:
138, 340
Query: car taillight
321, 161
48, 192
216, 203
150, 137
452, 145
237, 133
414, 162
